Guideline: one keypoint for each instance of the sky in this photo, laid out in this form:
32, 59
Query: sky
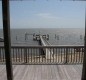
46, 14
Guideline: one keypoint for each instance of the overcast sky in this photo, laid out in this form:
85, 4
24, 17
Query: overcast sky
46, 14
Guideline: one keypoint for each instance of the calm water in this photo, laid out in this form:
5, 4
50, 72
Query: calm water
58, 36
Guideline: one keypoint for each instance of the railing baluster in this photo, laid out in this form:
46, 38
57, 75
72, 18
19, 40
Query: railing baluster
31, 55
78, 58
34, 54
13, 55
71, 54
16, 54
83, 55
37, 55
42, 55
66, 56
77, 55
21, 54
28, 55
53, 54
0, 54
50, 55
80, 55
25, 55
74, 56
56, 55
3, 54
61, 55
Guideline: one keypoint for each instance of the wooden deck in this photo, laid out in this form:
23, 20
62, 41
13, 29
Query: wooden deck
44, 72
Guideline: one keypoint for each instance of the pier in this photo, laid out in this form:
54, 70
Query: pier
43, 41
47, 51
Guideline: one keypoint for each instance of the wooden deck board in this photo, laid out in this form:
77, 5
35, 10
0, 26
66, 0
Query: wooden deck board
43, 72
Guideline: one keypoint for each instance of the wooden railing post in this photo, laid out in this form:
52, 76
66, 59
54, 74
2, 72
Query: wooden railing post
0, 54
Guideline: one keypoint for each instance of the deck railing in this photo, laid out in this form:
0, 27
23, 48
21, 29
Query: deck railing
37, 54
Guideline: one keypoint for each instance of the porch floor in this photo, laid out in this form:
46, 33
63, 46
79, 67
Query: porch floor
43, 72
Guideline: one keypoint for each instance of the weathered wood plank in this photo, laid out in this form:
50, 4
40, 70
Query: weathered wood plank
43, 72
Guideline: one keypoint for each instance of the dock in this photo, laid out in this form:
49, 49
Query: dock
43, 41
47, 51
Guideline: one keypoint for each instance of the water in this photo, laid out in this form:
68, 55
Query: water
58, 36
